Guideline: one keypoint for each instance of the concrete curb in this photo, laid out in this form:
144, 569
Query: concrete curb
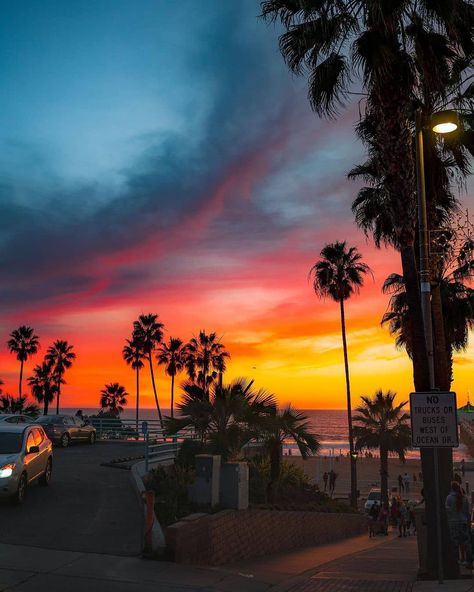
158, 537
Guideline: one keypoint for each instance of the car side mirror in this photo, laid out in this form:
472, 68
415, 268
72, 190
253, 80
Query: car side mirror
33, 450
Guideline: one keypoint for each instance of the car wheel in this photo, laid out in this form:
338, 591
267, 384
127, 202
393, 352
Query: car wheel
45, 478
65, 440
19, 496
92, 438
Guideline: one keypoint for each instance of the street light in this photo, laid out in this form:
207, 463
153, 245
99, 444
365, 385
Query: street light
441, 122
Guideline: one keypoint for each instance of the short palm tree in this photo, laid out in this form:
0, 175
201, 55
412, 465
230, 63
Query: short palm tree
61, 357
9, 404
379, 424
338, 275
173, 356
133, 355
149, 332
225, 417
206, 359
275, 428
43, 384
113, 398
24, 343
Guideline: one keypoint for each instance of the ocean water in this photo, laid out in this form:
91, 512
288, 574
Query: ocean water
330, 425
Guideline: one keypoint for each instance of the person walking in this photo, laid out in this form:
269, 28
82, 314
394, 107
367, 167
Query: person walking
402, 519
334, 477
463, 468
458, 513
400, 484
325, 479
406, 483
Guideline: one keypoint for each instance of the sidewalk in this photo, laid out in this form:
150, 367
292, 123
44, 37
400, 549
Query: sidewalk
360, 564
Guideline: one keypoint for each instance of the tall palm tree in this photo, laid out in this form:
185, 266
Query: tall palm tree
44, 384
206, 359
339, 274
112, 398
380, 424
173, 355
133, 355
24, 343
278, 426
61, 357
149, 332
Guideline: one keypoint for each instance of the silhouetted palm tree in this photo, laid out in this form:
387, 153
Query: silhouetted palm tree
43, 384
278, 426
205, 359
113, 398
133, 354
24, 343
173, 355
382, 425
149, 332
61, 357
225, 417
339, 274
9, 404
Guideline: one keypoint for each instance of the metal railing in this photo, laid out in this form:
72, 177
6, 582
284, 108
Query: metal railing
125, 429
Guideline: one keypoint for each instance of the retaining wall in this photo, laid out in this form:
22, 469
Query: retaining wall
228, 536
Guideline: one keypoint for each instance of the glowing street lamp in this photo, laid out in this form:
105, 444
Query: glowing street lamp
441, 122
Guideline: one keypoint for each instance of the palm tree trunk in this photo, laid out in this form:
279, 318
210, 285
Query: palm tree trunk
46, 406
275, 468
154, 390
58, 395
172, 396
384, 475
349, 410
21, 378
138, 401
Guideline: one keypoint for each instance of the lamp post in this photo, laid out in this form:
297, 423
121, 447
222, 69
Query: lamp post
442, 122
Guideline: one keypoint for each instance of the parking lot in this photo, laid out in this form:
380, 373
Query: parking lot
88, 507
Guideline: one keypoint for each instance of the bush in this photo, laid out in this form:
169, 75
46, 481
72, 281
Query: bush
294, 491
187, 452
170, 485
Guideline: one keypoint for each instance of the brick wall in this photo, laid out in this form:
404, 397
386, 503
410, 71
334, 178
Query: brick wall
224, 537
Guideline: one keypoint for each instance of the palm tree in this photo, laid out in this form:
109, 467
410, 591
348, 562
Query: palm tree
133, 354
205, 359
24, 343
149, 332
339, 274
383, 425
44, 384
61, 357
113, 398
281, 425
9, 404
224, 417
173, 354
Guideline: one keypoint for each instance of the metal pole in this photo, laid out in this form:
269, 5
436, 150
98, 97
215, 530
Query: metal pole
425, 289
147, 452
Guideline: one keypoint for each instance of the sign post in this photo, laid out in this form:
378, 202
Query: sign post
434, 424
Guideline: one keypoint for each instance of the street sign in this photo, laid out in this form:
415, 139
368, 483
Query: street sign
434, 420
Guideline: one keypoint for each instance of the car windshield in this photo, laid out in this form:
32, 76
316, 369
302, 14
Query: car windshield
374, 495
49, 419
10, 442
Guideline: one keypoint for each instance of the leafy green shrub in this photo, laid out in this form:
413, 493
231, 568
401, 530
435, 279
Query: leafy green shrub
170, 485
187, 452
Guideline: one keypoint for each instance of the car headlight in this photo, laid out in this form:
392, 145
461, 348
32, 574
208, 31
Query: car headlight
7, 470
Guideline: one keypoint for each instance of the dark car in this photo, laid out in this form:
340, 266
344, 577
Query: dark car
64, 429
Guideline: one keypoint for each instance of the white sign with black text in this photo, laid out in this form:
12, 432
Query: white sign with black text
434, 420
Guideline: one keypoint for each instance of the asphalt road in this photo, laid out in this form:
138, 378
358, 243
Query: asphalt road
87, 507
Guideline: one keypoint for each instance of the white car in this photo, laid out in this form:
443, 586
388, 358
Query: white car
375, 496
26, 455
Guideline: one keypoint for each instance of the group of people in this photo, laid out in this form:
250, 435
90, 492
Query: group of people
329, 479
459, 521
404, 482
398, 513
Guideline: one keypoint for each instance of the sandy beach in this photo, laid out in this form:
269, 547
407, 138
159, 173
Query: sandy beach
368, 473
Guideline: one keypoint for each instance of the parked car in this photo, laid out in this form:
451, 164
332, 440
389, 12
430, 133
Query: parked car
16, 418
375, 496
26, 455
64, 429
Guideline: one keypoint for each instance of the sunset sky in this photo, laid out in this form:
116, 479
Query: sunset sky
158, 157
